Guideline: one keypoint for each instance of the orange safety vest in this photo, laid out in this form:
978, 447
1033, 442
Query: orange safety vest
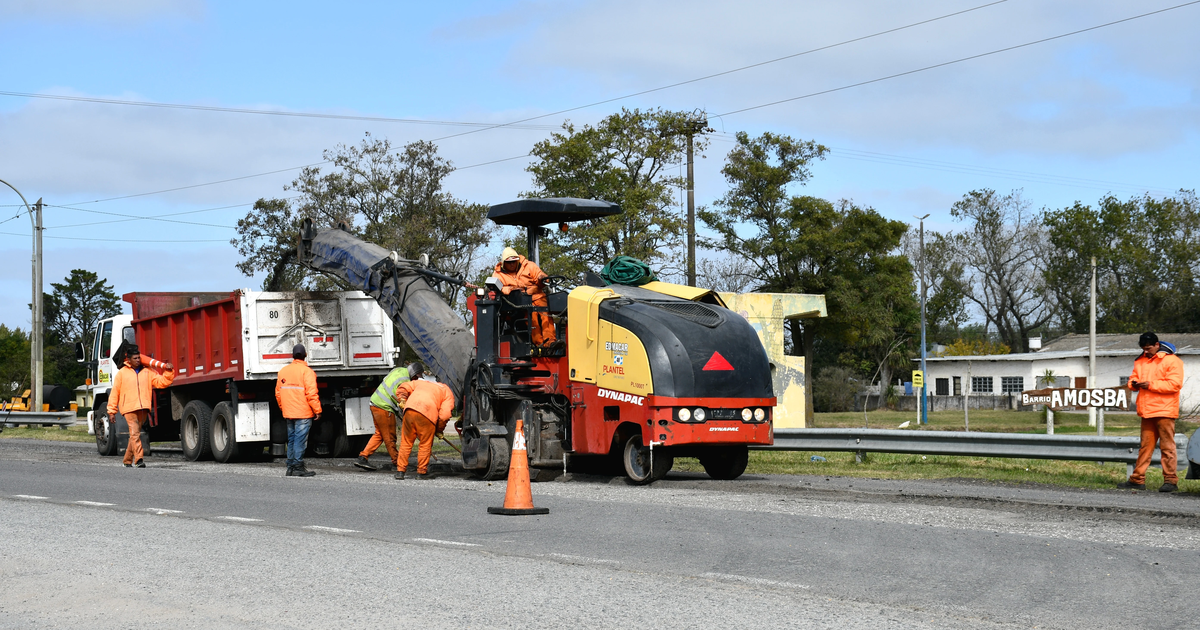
131, 391
435, 401
526, 278
1164, 373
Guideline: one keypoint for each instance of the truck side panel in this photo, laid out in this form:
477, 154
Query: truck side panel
203, 342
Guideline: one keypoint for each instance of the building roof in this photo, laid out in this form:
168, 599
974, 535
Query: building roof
1074, 345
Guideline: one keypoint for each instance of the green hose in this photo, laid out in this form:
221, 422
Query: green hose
628, 271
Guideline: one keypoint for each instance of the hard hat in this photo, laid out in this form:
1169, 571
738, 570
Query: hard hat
509, 254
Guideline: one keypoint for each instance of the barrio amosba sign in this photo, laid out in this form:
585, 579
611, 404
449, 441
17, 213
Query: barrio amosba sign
1063, 397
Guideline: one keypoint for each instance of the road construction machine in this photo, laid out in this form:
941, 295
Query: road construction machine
637, 375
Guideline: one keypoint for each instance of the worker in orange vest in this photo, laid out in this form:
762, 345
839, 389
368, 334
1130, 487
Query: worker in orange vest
296, 392
427, 406
521, 274
132, 394
1157, 378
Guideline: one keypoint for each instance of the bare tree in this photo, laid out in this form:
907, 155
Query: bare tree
1003, 252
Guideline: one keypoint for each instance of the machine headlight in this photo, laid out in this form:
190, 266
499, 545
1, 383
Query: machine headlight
759, 414
699, 414
684, 414
747, 415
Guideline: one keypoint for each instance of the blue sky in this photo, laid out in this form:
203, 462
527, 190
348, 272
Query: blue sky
1111, 110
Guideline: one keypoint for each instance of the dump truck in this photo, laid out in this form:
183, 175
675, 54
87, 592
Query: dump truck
227, 348
637, 376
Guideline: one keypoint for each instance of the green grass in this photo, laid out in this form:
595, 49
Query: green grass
994, 421
74, 433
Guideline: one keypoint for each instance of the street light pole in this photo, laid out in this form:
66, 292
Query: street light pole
924, 374
35, 333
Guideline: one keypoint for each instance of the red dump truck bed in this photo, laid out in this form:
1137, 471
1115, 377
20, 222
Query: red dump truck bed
198, 332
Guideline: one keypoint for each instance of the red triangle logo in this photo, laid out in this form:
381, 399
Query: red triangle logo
717, 362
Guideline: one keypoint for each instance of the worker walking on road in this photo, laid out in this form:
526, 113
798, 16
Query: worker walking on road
132, 393
1157, 378
384, 409
520, 274
296, 392
427, 406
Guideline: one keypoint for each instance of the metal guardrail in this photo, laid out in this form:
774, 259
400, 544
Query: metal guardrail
1019, 445
14, 419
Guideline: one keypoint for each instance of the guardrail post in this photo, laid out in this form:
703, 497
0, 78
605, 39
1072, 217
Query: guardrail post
1049, 421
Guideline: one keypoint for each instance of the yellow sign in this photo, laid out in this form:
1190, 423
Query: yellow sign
918, 378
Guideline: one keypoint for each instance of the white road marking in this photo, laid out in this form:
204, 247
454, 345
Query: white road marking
94, 503
164, 511
29, 496
335, 530
751, 580
241, 519
452, 543
570, 558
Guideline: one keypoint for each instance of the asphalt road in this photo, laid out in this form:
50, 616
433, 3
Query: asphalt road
86, 543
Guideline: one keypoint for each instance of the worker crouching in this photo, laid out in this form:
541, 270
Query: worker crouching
132, 395
427, 407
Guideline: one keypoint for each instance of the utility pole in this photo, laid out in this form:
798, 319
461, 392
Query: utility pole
925, 375
694, 127
35, 395
1092, 345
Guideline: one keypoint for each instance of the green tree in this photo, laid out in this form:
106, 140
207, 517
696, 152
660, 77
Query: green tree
14, 362
394, 199
623, 159
70, 313
945, 289
803, 244
1003, 251
1147, 254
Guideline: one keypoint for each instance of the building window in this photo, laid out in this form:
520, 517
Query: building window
1012, 384
1124, 381
958, 386
981, 384
942, 387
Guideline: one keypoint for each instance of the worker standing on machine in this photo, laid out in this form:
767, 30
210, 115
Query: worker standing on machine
296, 393
132, 394
384, 409
427, 407
520, 273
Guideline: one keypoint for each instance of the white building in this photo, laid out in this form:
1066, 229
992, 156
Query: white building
1067, 358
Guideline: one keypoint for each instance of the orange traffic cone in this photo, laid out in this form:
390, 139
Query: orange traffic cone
518, 499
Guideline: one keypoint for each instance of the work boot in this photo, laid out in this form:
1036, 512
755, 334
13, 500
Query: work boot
291, 471
302, 471
362, 463
1129, 485
399, 475
1168, 487
129, 465
140, 464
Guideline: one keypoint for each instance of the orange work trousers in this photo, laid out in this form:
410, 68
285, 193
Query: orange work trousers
418, 427
133, 452
1162, 431
541, 327
385, 433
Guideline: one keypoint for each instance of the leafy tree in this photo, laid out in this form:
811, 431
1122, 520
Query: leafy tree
1147, 256
14, 361
975, 347
945, 290
394, 199
623, 159
71, 311
1003, 250
803, 244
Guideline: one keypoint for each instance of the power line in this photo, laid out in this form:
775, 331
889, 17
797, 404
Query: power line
136, 217
960, 60
264, 112
110, 240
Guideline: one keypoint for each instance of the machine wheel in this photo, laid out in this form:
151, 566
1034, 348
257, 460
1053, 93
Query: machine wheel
193, 430
498, 458
222, 435
640, 467
106, 434
1193, 471
727, 463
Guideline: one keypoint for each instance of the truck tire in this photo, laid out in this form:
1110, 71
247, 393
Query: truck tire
106, 434
498, 458
222, 434
193, 430
641, 467
726, 463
